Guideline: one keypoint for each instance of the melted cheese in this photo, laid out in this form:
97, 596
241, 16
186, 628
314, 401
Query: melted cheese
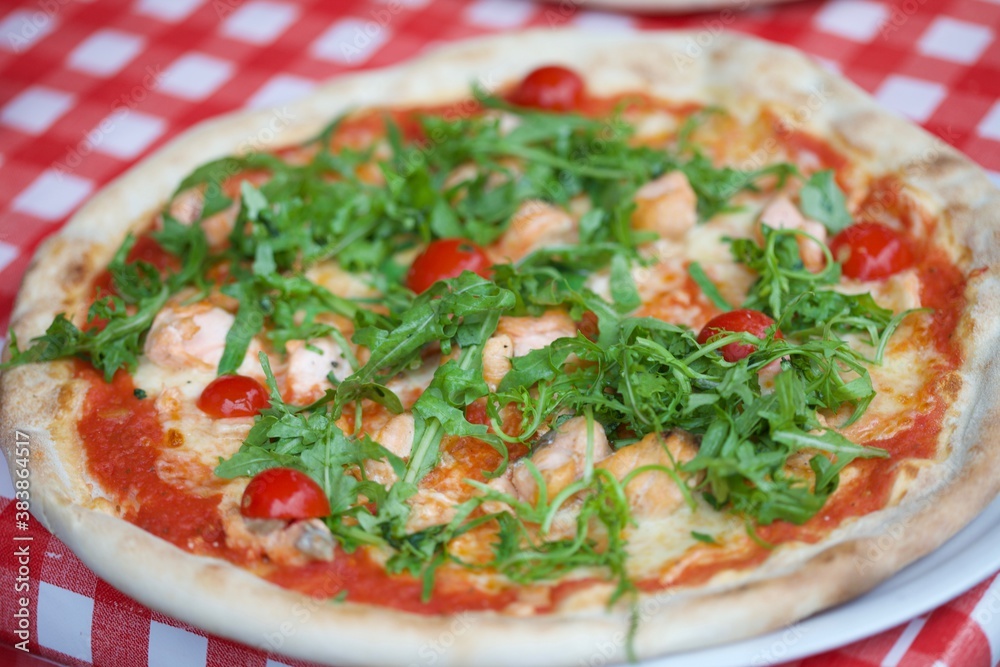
903, 385
340, 282
195, 441
656, 543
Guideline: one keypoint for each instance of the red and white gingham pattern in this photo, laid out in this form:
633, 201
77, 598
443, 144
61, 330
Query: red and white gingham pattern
86, 89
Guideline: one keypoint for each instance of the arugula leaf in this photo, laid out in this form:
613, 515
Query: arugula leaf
189, 244
133, 281
822, 200
449, 309
249, 320
252, 459
112, 340
708, 288
455, 385
795, 297
624, 293
657, 377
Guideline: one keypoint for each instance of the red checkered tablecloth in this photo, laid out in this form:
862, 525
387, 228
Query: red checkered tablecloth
89, 88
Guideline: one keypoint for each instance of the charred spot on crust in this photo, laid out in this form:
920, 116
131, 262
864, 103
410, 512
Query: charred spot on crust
74, 274
940, 164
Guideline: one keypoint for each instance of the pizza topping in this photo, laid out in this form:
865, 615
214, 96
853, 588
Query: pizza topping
397, 437
309, 366
278, 541
364, 225
781, 213
553, 88
561, 457
315, 540
899, 292
535, 333
186, 209
233, 396
283, 493
669, 291
753, 322
805, 304
822, 199
667, 206
191, 337
497, 353
871, 251
657, 376
535, 225
124, 316
446, 258
652, 473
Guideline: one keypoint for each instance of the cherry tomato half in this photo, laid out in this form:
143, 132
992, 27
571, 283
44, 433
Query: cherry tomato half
552, 88
870, 251
283, 493
752, 322
446, 258
233, 396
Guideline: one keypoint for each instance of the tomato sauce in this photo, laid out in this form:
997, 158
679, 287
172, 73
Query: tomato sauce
942, 288
695, 571
122, 439
801, 144
367, 582
566, 589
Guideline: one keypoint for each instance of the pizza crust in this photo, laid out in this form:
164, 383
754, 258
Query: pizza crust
795, 582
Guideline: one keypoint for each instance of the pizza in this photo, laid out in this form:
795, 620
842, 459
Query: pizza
563, 347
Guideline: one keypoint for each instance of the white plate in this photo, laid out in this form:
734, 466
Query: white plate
965, 560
